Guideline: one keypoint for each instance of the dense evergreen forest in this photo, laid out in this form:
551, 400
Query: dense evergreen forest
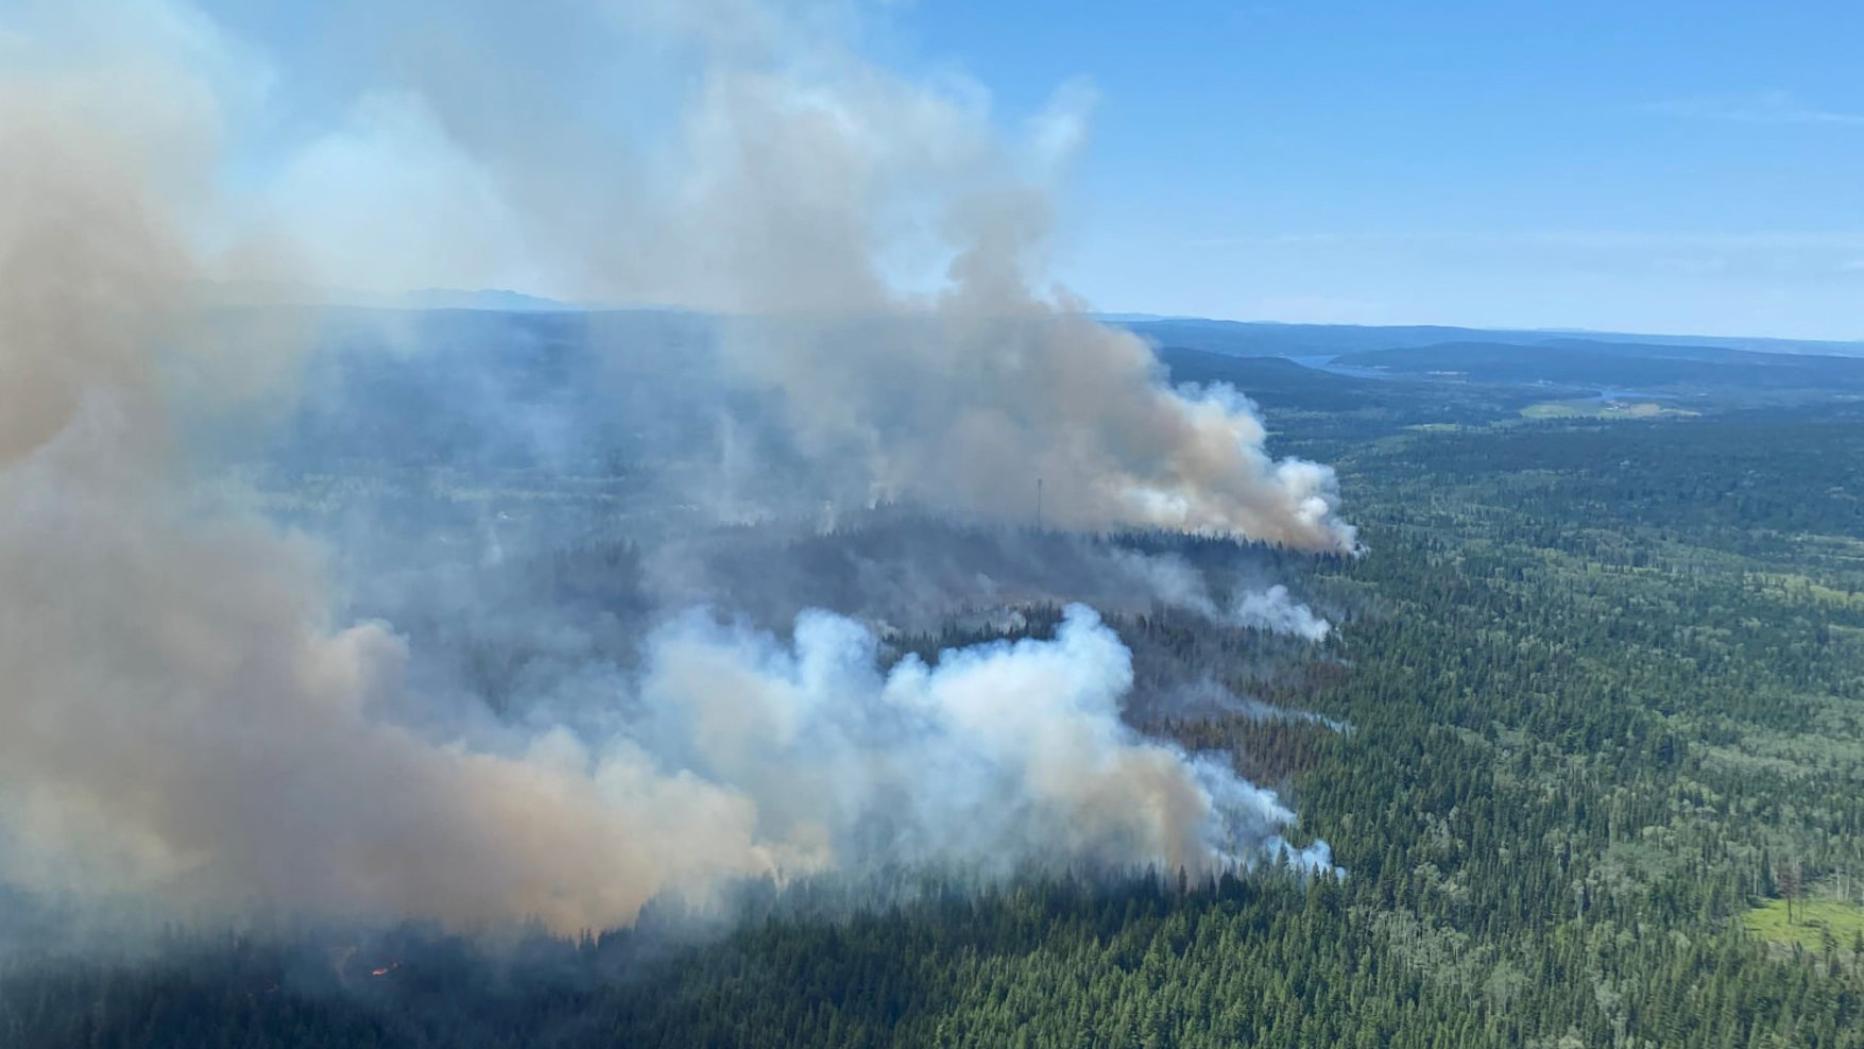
1590, 752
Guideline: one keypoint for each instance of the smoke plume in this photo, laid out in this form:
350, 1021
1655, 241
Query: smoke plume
185, 718
1275, 611
1171, 581
877, 238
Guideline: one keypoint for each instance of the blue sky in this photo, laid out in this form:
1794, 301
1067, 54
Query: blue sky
1677, 166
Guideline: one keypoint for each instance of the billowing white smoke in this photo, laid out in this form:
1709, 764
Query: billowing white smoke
1001, 755
1171, 581
180, 719
1275, 611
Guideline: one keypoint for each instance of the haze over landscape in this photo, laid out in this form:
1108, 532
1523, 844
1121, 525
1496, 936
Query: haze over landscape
635, 523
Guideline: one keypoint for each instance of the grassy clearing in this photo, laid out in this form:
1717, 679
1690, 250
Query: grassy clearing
1811, 918
1601, 410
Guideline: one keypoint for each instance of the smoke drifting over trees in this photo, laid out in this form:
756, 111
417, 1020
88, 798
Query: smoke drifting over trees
186, 718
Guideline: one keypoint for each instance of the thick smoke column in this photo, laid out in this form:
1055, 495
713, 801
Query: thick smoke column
1001, 755
879, 239
181, 720
962, 396
964, 410
961, 393
178, 720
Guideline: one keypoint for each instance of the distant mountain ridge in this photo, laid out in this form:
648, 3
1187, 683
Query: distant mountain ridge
1211, 335
1274, 339
1635, 365
498, 299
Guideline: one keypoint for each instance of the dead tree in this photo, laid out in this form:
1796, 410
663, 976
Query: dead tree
1788, 878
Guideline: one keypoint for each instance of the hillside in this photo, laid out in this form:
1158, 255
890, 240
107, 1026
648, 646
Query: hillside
1262, 338
1642, 366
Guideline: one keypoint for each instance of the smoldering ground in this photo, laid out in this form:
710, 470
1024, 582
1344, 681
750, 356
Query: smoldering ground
199, 713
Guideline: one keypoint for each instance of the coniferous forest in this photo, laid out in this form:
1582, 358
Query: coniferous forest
856, 524
1587, 742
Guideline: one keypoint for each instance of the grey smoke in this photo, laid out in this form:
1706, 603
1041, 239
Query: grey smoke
1272, 609
1171, 581
1206, 697
186, 718
880, 240
902, 569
